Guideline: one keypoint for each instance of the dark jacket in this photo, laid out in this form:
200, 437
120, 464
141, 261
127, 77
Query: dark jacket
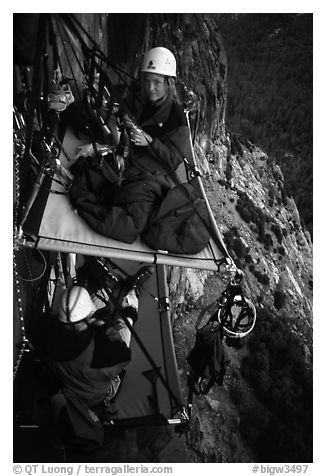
167, 125
84, 363
122, 212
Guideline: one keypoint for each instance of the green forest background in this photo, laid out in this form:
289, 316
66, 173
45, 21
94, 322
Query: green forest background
270, 93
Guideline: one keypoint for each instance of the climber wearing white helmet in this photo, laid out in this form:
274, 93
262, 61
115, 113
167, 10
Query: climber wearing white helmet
156, 136
158, 74
84, 348
160, 67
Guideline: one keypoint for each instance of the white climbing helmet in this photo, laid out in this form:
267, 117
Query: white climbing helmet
160, 60
75, 305
237, 300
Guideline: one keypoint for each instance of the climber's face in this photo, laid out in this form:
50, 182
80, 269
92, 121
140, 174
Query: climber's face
155, 86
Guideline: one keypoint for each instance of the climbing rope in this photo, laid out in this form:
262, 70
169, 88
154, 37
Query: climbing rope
25, 341
19, 150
